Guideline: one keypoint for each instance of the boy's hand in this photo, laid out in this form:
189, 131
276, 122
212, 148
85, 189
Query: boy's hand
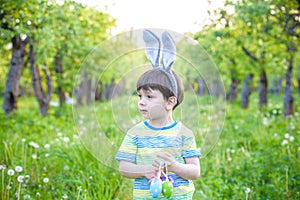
150, 171
168, 159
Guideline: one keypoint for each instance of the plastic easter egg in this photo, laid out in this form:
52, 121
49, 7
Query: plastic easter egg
156, 187
167, 189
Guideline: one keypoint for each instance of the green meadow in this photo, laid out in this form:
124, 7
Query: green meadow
256, 156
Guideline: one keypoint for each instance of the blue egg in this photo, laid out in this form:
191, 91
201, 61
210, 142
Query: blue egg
156, 187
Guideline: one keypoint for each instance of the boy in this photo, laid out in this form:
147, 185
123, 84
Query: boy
160, 138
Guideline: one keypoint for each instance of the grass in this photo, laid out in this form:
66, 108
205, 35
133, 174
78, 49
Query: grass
256, 157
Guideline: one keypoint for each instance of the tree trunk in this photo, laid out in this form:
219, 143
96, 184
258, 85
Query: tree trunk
263, 90
246, 91
42, 98
59, 72
233, 90
10, 101
88, 82
99, 92
288, 92
298, 85
201, 86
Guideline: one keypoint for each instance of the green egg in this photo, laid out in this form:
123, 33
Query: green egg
167, 189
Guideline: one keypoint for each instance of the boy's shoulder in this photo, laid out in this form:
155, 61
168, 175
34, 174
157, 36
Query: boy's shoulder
185, 130
136, 128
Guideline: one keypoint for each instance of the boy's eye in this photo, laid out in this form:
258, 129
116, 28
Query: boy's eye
148, 96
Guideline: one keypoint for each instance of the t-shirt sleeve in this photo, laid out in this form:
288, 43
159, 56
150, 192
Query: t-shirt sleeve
189, 148
127, 150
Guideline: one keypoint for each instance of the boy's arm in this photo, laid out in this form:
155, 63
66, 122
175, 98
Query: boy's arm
190, 170
132, 170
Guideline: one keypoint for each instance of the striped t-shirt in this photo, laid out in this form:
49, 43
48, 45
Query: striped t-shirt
143, 142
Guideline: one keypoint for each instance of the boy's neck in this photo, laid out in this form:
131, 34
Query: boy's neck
160, 123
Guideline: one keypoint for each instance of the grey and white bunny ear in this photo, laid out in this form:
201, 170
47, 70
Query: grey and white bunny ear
169, 52
152, 47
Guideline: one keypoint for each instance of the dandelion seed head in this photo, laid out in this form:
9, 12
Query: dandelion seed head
65, 196
38, 194
292, 138
26, 196
34, 145
18, 169
2, 167
66, 139
10, 172
265, 121
20, 179
284, 142
46, 180
47, 146
286, 135
248, 190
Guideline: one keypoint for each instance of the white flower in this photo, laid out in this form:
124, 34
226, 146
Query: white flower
2, 167
47, 146
284, 142
248, 190
59, 134
26, 196
291, 138
65, 196
286, 135
18, 168
47, 155
75, 136
20, 179
66, 167
66, 139
10, 172
265, 121
23, 139
34, 156
38, 194
46, 180
34, 145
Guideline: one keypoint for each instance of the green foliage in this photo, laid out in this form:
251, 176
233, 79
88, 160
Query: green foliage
69, 30
257, 156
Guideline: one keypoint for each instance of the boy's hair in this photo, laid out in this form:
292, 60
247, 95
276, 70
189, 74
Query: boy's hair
156, 79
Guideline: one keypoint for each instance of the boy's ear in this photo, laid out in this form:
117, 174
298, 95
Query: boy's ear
171, 102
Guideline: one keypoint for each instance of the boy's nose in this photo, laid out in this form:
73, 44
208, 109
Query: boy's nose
141, 101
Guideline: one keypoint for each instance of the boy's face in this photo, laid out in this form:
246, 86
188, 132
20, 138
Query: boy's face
152, 104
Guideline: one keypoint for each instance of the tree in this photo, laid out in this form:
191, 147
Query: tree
15, 24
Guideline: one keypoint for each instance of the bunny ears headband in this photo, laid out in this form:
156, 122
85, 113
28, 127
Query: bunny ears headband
168, 55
